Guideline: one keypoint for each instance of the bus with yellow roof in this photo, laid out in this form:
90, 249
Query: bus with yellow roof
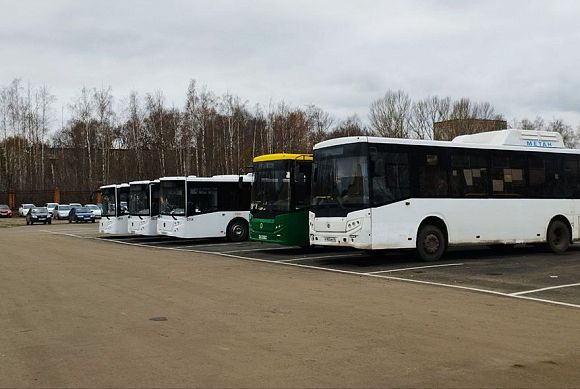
281, 199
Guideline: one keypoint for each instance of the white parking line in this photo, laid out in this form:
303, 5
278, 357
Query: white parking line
63, 233
262, 249
416, 267
460, 287
214, 244
322, 257
159, 241
543, 289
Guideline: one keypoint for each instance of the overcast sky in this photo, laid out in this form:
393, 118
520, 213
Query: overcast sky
521, 56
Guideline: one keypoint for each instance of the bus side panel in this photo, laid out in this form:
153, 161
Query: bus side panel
393, 226
211, 225
470, 221
114, 225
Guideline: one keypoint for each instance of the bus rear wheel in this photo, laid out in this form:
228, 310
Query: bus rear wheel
430, 243
558, 236
237, 230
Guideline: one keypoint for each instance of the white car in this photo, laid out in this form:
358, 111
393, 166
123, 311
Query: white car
61, 211
24, 209
51, 207
95, 210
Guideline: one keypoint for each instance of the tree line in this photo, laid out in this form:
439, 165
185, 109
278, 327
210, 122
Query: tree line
143, 137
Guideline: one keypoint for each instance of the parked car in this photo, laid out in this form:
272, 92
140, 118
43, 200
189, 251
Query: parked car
38, 215
61, 211
81, 214
24, 208
5, 211
95, 210
75, 205
51, 207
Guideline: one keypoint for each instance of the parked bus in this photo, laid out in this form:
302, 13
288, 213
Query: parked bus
115, 215
500, 187
281, 199
143, 207
205, 207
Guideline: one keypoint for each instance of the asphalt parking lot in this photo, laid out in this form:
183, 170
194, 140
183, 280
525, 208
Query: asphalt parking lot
82, 309
525, 273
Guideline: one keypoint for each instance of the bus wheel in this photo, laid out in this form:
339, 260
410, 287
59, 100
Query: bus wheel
558, 236
237, 230
430, 243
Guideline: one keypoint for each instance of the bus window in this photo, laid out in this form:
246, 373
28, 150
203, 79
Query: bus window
390, 176
469, 174
432, 174
537, 176
302, 185
508, 174
202, 200
572, 177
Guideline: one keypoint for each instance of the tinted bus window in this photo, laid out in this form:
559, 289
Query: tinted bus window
537, 176
508, 174
201, 199
432, 173
302, 175
572, 177
469, 174
390, 175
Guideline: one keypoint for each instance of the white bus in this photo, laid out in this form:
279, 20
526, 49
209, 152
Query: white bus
500, 187
115, 216
205, 207
143, 207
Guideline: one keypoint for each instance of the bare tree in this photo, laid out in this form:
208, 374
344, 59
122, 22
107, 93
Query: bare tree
570, 137
426, 112
390, 115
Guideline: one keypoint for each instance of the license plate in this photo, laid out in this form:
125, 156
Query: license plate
262, 237
330, 239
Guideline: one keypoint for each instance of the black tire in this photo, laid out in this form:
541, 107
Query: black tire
431, 243
50, 222
44, 223
70, 221
558, 237
237, 230
27, 222
92, 221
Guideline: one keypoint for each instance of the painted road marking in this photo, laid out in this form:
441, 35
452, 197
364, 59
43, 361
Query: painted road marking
64, 233
360, 274
416, 267
262, 249
322, 257
543, 289
215, 244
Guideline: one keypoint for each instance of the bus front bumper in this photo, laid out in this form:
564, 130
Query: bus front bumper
350, 231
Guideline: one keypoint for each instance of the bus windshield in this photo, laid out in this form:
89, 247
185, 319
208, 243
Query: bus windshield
108, 201
172, 198
139, 200
271, 188
340, 180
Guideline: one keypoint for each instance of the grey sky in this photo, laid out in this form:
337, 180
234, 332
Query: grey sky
521, 56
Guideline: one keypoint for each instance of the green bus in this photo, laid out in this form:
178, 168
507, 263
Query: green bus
281, 199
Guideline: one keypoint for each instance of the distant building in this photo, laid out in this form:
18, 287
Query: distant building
449, 129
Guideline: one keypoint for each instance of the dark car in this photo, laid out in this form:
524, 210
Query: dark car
38, 215
5, 211
81, 214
